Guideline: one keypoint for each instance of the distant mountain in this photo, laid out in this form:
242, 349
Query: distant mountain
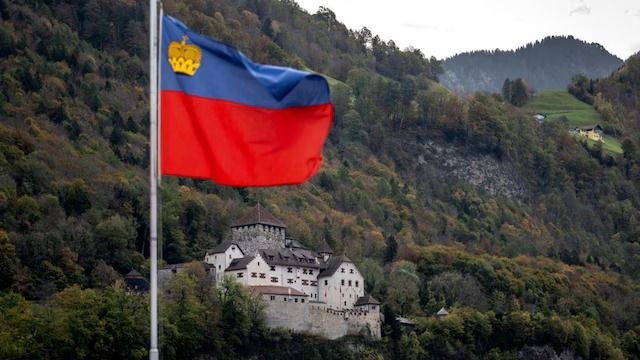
545, 64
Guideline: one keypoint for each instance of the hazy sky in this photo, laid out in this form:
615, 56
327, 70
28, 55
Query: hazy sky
445, 27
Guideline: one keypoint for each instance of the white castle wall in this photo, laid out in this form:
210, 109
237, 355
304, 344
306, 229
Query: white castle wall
317, 319
342, 289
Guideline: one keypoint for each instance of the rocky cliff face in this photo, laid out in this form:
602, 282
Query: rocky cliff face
482, 171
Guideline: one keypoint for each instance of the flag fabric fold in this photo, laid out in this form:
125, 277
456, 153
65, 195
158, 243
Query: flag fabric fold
232, 121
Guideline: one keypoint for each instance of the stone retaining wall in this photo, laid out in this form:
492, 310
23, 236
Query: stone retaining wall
317, 319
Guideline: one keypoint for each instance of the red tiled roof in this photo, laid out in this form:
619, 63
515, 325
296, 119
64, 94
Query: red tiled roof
277, 290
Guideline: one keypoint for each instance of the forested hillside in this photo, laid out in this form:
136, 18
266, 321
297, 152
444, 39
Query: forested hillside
552, 269
546, 64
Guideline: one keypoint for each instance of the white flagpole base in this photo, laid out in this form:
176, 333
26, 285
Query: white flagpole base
154, 354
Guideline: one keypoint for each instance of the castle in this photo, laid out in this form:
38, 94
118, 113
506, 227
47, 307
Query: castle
304, 290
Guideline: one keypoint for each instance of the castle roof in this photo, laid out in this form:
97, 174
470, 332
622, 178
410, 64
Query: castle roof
290, 257
277, 290
333, 264
259, 215
239, 263
366, 300
222, 247
295, 244
325, 248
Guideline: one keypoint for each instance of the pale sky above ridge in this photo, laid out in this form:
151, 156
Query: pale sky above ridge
446, 27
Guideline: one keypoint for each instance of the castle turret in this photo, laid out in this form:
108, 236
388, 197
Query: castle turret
258, 230
325, 250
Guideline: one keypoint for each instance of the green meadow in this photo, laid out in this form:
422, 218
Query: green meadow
557, 103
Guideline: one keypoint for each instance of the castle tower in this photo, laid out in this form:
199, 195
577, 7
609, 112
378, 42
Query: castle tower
257, 230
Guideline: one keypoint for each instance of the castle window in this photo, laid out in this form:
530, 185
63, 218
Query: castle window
301, 300
272, 297
272, 268
326, 282
342, 282
289, 281
342, 270
314, 283
349, 282
263, 275
289, 270
305, 282
310, 272
254, 274
239, 274
229, 256
274, 279
233, 248
270, 257
296, 300
304, 271
345, 303
351, 271
258, 263
373, 307
357, 283
284, 298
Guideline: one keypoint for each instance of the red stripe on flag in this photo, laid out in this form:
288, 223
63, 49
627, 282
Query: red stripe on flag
239, 145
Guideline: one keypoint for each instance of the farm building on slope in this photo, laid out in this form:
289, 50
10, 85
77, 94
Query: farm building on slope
593, 132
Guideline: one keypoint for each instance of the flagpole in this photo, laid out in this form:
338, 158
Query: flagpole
153, 176
158, 108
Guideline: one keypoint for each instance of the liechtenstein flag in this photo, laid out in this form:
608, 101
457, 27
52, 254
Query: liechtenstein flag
232, 121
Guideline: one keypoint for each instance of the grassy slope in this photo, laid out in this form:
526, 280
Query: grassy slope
555, 104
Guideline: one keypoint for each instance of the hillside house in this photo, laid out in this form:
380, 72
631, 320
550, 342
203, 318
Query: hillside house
135, 282
406, 325
539, 117
593, 132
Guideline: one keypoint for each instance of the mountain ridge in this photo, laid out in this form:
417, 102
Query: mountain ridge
548, 63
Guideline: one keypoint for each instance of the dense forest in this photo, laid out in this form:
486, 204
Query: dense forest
554, 271
546, 64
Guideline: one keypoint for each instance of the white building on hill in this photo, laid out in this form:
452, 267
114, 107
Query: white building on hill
305, 290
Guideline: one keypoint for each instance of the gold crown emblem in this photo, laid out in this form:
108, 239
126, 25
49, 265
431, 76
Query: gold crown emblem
184, 59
